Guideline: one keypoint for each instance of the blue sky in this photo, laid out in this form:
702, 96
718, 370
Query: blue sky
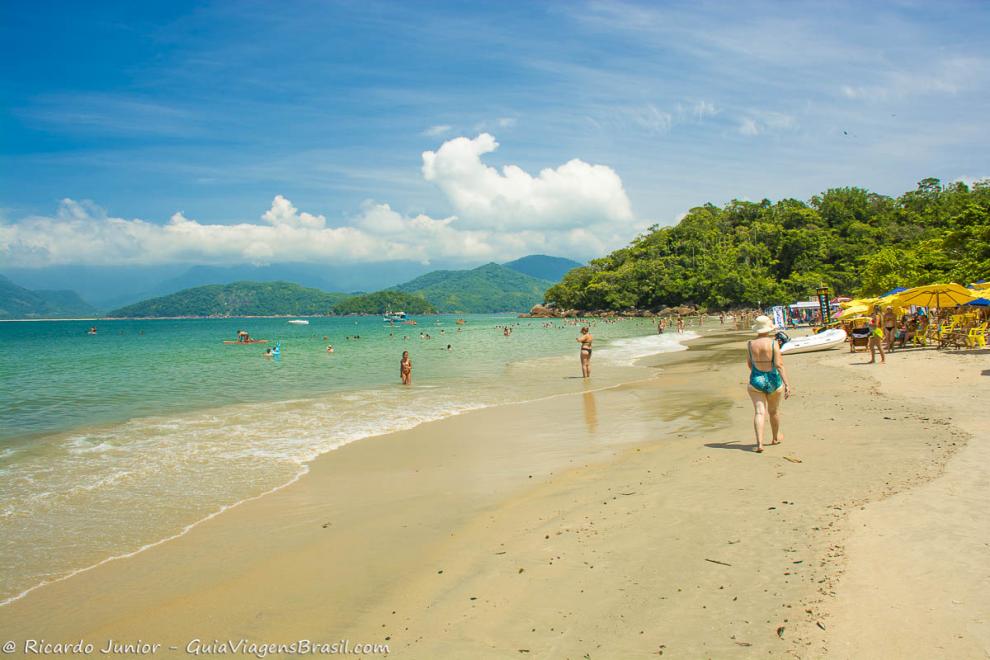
283, 131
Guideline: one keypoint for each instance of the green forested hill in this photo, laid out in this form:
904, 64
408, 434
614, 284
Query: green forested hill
383, 301
16, 302
856, 241
488, 288
543, 267
237, 299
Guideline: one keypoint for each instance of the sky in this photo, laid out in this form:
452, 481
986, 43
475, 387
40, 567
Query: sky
137, 133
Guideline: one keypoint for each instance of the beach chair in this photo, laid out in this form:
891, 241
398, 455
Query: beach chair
977, 336
943, 334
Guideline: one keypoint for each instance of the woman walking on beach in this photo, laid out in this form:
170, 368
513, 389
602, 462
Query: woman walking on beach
405, 369
768, 382
585, 340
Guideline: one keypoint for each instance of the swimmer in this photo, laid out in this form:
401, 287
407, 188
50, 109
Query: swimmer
330, 348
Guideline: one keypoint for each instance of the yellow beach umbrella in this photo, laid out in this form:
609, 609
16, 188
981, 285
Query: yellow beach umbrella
935, 295
856, 302
980, 286
855, 310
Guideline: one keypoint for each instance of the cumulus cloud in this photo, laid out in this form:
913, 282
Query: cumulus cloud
573, 194
81, 233
577, 208
284, 214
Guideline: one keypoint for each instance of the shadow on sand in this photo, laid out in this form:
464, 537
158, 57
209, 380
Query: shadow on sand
732, 445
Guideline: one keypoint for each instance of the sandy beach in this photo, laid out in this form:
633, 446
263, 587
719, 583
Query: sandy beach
627, 522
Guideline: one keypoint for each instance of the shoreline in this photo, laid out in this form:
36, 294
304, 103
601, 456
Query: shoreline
615, 369
564, 488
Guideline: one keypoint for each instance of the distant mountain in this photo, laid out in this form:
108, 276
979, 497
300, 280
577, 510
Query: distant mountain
543, 267
237, 299
106, 287
383, 301
16, 302
111, 287
488, 288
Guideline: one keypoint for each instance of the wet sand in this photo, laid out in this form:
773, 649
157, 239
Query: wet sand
623, 523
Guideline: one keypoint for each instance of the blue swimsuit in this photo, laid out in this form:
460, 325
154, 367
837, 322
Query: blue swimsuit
767, 382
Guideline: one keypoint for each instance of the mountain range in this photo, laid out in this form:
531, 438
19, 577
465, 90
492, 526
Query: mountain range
488, 288
112, 287
16, 302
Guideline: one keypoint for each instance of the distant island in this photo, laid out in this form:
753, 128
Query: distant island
16, 302
236, 299
302, 290
486, 289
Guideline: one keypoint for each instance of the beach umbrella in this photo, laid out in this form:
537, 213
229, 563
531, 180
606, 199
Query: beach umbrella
897, 289
935, 295
980, 286
855, 302
854, 311
979, 302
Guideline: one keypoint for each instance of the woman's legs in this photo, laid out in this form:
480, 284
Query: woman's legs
759, 414
585, 364
773, 409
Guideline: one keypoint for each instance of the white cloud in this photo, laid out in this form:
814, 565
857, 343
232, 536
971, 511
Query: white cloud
435, 131
748, 126
573, 194
652, 119
284, 214
763, 121
704, 109
505, 122
577, 209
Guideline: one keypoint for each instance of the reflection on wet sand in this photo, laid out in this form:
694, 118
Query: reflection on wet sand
590, 412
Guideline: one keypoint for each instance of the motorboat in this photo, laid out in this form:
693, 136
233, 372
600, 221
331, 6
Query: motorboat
298, 322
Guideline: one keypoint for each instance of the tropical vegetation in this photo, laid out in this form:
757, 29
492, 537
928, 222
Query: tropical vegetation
383, 301
488, 288
750, 253
236, 299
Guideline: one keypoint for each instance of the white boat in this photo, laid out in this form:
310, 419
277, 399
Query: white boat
299, 322
395, 317
823, 341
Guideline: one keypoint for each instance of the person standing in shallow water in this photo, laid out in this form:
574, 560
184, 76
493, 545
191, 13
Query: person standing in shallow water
585, 340
768, 382
405, 369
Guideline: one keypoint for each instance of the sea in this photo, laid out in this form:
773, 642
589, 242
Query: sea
111, 443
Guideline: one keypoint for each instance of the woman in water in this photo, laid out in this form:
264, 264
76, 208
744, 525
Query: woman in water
585, 340
405, 369
768, 384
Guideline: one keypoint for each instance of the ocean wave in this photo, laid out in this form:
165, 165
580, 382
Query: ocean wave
626, 352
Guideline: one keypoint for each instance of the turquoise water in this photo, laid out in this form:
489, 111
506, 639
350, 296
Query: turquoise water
114, 441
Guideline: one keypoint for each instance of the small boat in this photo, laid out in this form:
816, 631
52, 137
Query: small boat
245, 341
299, 322
395, 317
823, 341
